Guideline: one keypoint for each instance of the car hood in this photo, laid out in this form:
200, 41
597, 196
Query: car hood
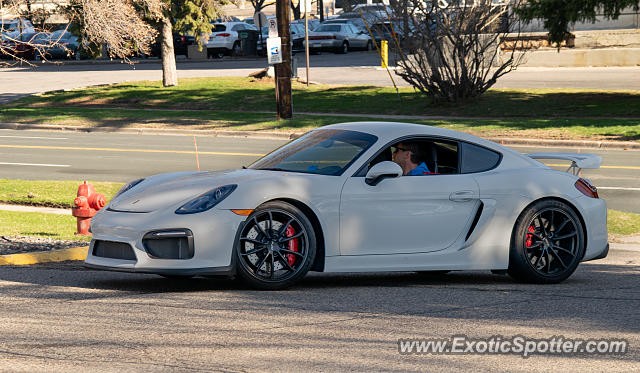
173, 190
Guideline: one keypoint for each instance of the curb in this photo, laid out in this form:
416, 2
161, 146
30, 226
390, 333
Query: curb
74, 253
611, 145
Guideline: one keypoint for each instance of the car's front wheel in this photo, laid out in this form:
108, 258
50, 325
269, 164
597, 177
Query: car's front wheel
547, 243
276, 247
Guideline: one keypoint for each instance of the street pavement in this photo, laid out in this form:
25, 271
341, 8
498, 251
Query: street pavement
357, 68
62, 317
122, 157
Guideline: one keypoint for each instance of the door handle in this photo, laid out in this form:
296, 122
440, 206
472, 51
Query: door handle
462, 196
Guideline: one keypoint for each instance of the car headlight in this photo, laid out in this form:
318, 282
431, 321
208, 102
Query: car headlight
127, 187
207, 200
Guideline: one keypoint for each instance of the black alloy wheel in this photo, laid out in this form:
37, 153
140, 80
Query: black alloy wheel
276, 248
548, 243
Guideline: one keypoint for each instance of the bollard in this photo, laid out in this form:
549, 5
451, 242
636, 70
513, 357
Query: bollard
384, 53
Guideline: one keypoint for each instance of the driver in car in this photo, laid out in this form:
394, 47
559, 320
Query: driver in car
409, 156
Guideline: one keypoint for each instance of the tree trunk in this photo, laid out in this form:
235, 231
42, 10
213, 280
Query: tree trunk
169, 72
296, 10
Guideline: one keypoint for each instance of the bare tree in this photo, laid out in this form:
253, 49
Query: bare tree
258, 5
454, 48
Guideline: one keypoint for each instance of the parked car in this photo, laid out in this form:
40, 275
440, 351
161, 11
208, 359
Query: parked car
334, 201
391, 30
17, 45
225, 40
313, 23
357, 22
57, 44
339, 38
297, 39
15, 39
17, 25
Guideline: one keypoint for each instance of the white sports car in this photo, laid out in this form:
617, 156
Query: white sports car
334, 201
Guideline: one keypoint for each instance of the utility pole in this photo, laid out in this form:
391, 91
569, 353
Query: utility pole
283, 70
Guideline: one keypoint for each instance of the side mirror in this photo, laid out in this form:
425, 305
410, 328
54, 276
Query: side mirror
381, 171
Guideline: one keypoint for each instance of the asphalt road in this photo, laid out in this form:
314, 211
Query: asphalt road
41, 155
360, 68
62, 317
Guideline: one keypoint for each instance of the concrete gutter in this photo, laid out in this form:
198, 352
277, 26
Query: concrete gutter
287, 135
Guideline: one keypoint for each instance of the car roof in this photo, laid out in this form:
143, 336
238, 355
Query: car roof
389, 131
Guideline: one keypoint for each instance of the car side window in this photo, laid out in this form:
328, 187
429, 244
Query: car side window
440, 156
478, 159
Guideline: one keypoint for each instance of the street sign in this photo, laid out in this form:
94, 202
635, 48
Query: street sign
273, 27
274, 51
260, 19
305, 6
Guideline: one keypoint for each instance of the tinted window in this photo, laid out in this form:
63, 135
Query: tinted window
328, 28
219, 28
477, 159
324, 152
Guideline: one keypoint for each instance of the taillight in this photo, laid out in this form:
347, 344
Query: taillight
224, 34
586, 188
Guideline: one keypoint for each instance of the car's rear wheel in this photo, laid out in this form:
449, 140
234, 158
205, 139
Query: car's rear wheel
547, 243
344, 48
276, 247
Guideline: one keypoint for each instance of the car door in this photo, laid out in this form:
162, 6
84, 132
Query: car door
361, 38
407, 214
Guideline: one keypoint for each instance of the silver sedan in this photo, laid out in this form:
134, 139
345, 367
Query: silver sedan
339, 38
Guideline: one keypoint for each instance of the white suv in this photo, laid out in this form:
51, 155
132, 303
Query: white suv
224, 39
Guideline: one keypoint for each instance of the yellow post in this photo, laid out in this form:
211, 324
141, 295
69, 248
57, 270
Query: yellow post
384, 53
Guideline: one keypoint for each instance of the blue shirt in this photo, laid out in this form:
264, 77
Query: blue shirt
422, 169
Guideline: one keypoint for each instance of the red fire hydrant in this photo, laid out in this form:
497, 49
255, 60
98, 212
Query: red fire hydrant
86, 204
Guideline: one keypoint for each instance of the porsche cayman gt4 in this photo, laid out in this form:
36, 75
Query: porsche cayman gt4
333, 200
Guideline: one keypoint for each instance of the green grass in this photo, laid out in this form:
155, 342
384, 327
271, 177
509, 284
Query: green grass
247, 94
49, 193
235, 104
34, 224
623, 223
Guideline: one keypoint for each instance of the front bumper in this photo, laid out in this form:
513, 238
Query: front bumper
214, 236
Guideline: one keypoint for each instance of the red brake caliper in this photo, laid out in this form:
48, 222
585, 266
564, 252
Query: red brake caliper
528, 242
293, 244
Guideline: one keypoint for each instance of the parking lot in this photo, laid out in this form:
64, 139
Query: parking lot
62, 317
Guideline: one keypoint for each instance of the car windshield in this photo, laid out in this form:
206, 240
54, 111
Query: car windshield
328, 28
323, 152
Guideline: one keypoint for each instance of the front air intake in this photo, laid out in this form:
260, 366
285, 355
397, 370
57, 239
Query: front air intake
169, 244
113, 250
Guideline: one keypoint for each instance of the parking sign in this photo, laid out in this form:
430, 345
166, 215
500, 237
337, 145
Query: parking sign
273, 27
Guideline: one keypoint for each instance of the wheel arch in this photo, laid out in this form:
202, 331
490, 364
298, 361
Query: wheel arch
559, 199
318, 261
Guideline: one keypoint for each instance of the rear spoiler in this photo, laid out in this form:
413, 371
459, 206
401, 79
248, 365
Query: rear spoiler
578, 160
